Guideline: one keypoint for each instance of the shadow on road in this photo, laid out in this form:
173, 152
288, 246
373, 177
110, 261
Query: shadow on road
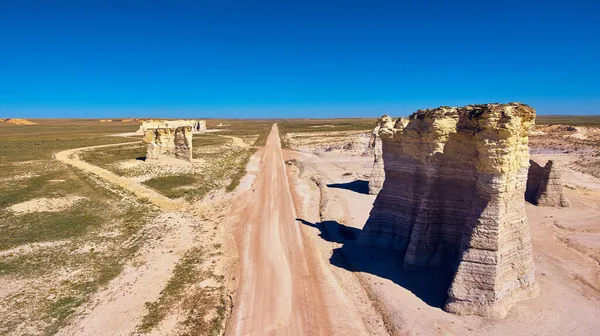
430, 285
359, 186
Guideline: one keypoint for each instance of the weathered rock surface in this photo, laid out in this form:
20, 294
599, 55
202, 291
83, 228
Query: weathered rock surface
453, 198
196, 125
544, 186
377, 177
168, 138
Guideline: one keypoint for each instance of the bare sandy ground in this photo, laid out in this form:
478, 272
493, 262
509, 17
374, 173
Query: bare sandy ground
44, 204
118, 309
566, 245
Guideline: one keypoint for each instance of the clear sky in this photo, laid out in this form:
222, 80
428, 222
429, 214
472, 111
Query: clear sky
262, 59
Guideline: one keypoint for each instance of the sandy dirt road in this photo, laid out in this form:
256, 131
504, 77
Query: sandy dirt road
278, 291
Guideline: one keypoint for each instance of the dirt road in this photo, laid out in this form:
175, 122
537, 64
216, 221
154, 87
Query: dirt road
278, 293
70, 157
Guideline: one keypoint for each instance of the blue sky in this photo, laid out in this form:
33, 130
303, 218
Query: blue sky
261, 59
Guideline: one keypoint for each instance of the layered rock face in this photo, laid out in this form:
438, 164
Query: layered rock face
544, 186
168, 138
453, 198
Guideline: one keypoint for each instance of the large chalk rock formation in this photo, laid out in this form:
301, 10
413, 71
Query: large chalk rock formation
453, 198
168, 138
544, 186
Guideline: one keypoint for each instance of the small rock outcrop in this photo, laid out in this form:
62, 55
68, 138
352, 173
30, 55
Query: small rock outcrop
17, 121
452, 198
168, 139
544, 186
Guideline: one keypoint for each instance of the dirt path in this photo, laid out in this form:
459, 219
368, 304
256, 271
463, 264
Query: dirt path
70, 157
278, 291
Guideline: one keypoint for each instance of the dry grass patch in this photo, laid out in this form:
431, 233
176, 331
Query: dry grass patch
194, 292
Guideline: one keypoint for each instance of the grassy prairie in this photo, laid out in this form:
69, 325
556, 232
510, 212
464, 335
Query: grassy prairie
325, 125
568, 120
36, 142
54, 261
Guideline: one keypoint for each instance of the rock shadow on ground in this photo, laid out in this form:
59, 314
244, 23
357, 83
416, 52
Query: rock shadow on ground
359, 186
430, 285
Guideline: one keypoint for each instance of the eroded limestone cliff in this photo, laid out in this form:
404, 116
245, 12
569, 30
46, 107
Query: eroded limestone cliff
544, 186
168, 138
453, 198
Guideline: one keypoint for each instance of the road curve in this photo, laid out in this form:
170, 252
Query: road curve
278, 293
70, 157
